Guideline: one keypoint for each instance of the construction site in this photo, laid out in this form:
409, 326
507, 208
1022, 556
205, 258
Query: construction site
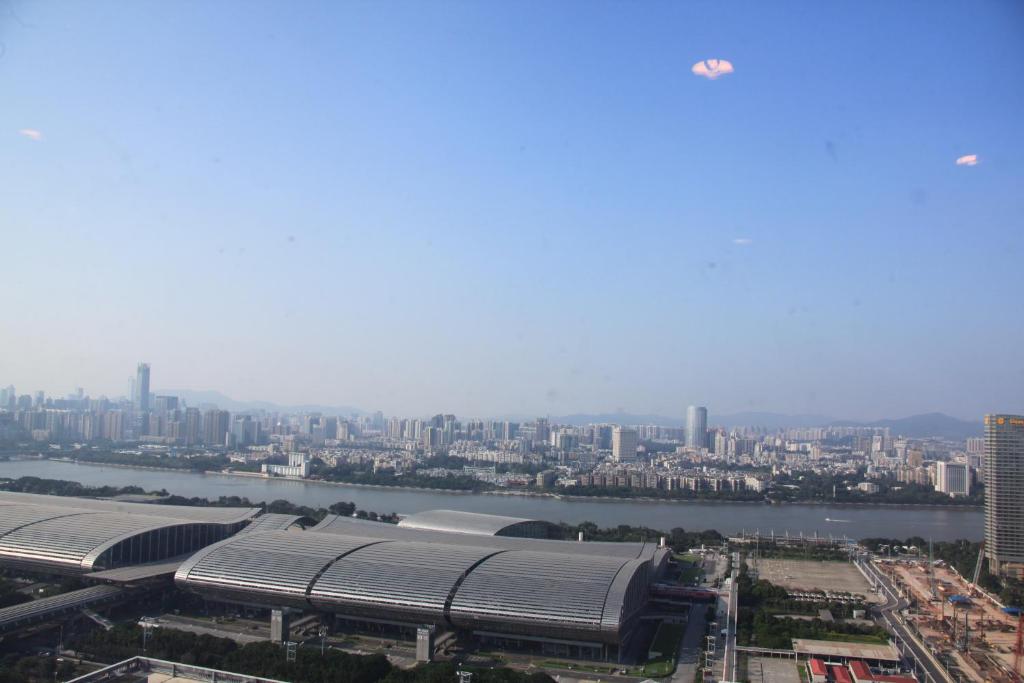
965, 626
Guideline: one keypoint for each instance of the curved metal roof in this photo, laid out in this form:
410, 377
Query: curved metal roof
408, 580
218, 515
71, 534
470, 585
529, 592
277, 564
351, 526
458, 522
273, 521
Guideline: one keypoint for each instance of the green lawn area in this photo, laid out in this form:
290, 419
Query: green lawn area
666, 643
593, 668
690, 567
687, 557
856, 638
690, 575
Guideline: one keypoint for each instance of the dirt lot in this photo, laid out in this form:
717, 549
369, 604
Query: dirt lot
812, 575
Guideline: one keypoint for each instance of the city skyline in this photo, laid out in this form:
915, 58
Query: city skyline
505, 216
683, 417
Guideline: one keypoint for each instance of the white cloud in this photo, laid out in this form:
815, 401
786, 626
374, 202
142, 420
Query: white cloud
967, 160
742, 241
712, 68
31, 134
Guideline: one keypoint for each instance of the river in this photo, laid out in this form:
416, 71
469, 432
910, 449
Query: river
852, 521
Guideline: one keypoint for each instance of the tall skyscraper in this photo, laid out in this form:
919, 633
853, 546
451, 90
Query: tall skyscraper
142, 388
1004, 504
697, 427
624, 444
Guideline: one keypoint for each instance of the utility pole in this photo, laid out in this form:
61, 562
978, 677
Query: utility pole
147, 625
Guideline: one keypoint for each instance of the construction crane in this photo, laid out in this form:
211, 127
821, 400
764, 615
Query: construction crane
977, 568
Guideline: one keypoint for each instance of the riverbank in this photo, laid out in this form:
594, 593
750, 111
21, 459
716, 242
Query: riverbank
858, 521
527, 494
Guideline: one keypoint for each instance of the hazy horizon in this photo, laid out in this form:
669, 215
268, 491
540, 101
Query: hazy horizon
492, 209
679, 416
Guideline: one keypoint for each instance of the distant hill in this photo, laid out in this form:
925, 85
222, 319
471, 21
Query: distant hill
915, 426
768, 420
922, 426
751, 419
215, 398
616, 418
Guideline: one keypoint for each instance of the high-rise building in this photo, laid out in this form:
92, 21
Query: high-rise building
543, 431
113, 425
215, 426
193, 426
165, 404
953, 478
245, 431
1004, 504
624, 444
431, 437
142, 388
697, 427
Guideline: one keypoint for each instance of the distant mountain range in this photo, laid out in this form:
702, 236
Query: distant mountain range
748, 419
929, 424
914, 427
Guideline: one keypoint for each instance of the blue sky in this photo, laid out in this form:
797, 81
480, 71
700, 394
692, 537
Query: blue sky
526, 207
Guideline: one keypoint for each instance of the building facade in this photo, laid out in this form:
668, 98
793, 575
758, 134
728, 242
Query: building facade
624, 444
953, 478
697, 427
142, 388
1004, 502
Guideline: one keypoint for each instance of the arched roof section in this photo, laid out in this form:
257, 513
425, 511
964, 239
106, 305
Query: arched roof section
458, 522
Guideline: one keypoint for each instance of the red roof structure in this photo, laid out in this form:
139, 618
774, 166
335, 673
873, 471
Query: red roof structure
840, 674
862, 674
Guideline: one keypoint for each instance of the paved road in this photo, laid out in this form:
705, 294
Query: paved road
889, 613
199, 627
731, 611
693, 644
